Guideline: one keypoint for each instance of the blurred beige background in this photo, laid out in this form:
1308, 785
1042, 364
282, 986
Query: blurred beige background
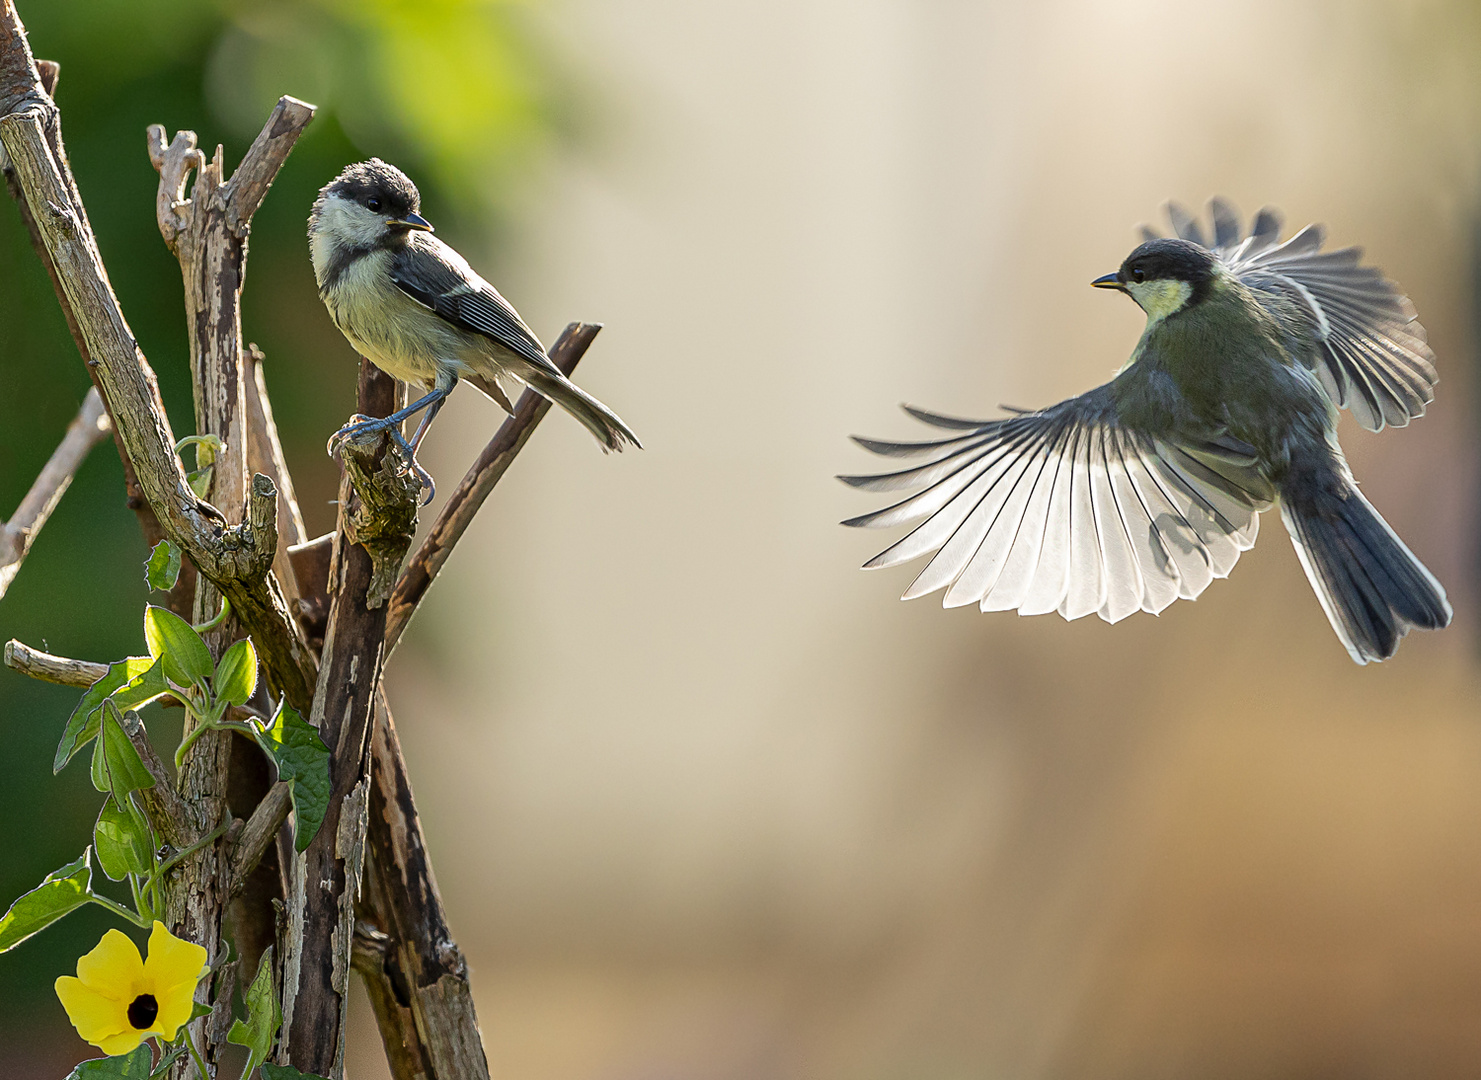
708, 802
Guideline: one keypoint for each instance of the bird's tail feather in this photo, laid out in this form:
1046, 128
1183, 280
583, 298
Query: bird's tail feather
601, 421
1370, 584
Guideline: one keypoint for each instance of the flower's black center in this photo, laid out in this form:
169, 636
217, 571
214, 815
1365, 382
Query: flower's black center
142, 1011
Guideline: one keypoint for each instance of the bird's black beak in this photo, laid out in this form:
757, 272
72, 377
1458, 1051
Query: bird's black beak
1109, 281
412, 221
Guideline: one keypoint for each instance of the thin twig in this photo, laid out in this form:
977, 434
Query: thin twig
53, 669
260, 831
433, 552
88, 428
265, 455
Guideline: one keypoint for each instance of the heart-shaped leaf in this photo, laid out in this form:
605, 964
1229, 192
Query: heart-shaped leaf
135, 1065
162, 568
122, 842
63, 890
259, 1031
302, 760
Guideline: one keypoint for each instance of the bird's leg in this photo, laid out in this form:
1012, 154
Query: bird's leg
432, 411
431, 401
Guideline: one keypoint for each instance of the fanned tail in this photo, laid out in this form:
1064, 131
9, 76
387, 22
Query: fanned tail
1370, 584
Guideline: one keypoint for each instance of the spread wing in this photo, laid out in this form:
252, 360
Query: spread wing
1373, 357
436, 276
1065, 509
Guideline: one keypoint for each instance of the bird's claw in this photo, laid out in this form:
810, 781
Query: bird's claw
423, 476
360, 425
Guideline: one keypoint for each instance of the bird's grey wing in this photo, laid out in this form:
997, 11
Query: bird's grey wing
1371, 353
435, 275
1066, 509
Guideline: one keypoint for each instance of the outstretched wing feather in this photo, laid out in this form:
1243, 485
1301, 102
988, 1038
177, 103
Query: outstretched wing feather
1065, 509
1372, 355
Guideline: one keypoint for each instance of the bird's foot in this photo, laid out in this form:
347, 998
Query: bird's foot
369, 425
361, 425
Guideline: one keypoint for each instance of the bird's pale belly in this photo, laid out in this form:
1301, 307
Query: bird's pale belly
398, 335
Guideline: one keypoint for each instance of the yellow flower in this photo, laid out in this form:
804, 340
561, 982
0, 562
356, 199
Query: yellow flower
118, 1000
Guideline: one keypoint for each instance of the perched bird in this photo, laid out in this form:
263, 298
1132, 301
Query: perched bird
1147, 488
413, 306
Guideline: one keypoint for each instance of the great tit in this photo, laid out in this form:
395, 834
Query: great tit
415, 308
1147, 488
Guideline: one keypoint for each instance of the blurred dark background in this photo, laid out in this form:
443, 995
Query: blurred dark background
704, 800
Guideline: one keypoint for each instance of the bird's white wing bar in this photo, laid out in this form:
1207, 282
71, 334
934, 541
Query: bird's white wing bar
1059, 510
1374, 358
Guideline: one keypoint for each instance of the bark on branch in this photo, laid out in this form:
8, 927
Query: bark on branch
326, 877
234, 557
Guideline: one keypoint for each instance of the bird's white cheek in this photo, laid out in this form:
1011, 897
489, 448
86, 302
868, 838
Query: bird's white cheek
349, 223
1159, 299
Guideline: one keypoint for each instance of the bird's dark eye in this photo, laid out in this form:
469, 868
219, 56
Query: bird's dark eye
1136, 275
373, 205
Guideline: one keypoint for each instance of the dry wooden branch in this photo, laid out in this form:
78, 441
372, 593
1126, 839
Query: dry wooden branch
162, 802
265, 455
53, 669
326, 877
207, 231
378, 960
257, 835
433, 1025
87, 429
486, 471
236, 558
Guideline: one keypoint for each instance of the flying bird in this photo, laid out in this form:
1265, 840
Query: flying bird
1144, 490
414, 307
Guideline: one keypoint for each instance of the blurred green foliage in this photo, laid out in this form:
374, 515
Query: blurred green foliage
457, 92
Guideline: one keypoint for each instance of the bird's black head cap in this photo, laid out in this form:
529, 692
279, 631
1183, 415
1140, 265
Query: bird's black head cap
1174, 260
377, 186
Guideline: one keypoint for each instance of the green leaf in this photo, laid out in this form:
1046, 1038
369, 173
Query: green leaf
199, 1009
122, 846
162, 1066
162, 568
63, 890
172, 640
135, 1065
286, 1072
264, 1016
82, 725
117, 767
236, 675
143, 688
302, 760
200, 480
